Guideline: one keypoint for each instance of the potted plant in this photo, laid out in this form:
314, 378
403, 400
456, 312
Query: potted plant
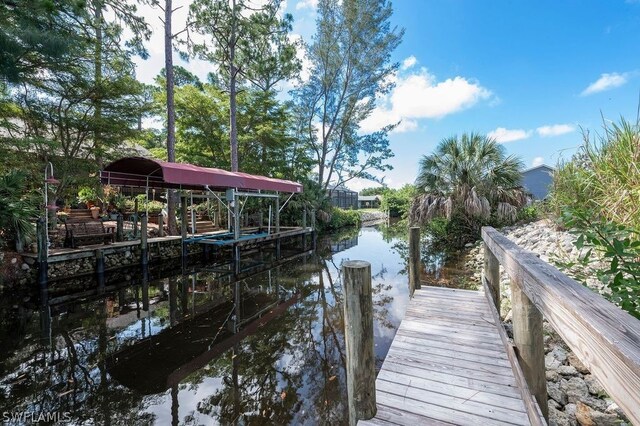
95, 212
88, 196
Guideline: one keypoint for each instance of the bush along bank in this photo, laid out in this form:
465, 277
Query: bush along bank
575, 396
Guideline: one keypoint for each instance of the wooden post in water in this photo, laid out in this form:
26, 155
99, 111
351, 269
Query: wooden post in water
160, 225
528, 338
135, 219
43, 253
183, 227
144, 252
492, 275
358, 324
304, 225
120, 228
414, 258
100, 269
277, 213
313, 226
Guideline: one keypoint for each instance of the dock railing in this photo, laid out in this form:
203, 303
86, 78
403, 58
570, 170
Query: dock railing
604, 337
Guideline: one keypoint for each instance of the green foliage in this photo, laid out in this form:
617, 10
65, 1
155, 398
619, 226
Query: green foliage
18, 208
530, 212
350, 68
596, 195
609, 250
470, 181
81, 102
398, 201
603, 176
376, 190
341, 218
35, 36
87, 194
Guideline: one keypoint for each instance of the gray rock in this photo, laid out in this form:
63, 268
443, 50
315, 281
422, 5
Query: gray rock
552, 375
575, 361
567, 370
575, 388
587, 416
596, 403
570, 411
29, 261
557, 418
551, 362
560, 354
554, 404
594, 386
25, 267
555, 392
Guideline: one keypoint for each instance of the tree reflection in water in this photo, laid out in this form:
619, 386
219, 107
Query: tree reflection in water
200, 348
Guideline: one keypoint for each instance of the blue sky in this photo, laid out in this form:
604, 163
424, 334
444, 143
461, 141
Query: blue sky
532, 74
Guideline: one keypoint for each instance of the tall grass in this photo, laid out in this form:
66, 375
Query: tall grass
597, 195
604, 176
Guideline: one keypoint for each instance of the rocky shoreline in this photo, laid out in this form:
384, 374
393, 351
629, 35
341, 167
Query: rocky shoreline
575, 396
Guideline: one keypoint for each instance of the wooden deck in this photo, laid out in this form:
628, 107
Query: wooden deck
448, 365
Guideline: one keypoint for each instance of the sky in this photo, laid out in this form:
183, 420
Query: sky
535, 75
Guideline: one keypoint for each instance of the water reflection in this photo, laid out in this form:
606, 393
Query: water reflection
203, 346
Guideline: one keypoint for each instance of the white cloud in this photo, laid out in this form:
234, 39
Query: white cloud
307, 4
538, 161
503, 135
409, 62
419, 95
554, 130
606, 82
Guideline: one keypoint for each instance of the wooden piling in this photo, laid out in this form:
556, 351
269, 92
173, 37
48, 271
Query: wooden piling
135, 219
144, 252
358, 318
304, 225
492, 275
414, 258
119, 228
160, 225
183, 227
528, 338
43, 253
100, 268
277, 213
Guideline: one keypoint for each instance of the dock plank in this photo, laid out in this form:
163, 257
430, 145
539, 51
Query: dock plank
447, 365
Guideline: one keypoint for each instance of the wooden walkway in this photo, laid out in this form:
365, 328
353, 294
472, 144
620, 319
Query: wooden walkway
448, 365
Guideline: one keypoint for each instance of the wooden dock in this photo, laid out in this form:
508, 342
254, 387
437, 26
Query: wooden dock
448, 364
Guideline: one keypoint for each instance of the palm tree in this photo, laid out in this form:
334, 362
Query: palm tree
470, 175
17, 209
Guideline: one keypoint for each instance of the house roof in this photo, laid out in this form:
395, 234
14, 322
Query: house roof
541, 166
145, 172
368, 197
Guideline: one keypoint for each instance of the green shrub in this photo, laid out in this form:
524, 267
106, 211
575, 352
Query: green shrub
341, 218
611, 252
398, 201
529, 213
87, 194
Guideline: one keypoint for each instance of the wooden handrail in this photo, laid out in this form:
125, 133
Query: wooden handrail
604, 337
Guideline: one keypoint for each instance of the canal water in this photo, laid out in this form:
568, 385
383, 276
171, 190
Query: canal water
200, 346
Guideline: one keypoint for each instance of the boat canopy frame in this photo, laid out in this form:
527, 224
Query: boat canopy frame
140, 172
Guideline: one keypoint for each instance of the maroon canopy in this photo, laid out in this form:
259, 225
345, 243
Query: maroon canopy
144, 172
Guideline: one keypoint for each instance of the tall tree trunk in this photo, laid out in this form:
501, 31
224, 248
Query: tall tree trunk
97, 74
171, 114
233, 136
